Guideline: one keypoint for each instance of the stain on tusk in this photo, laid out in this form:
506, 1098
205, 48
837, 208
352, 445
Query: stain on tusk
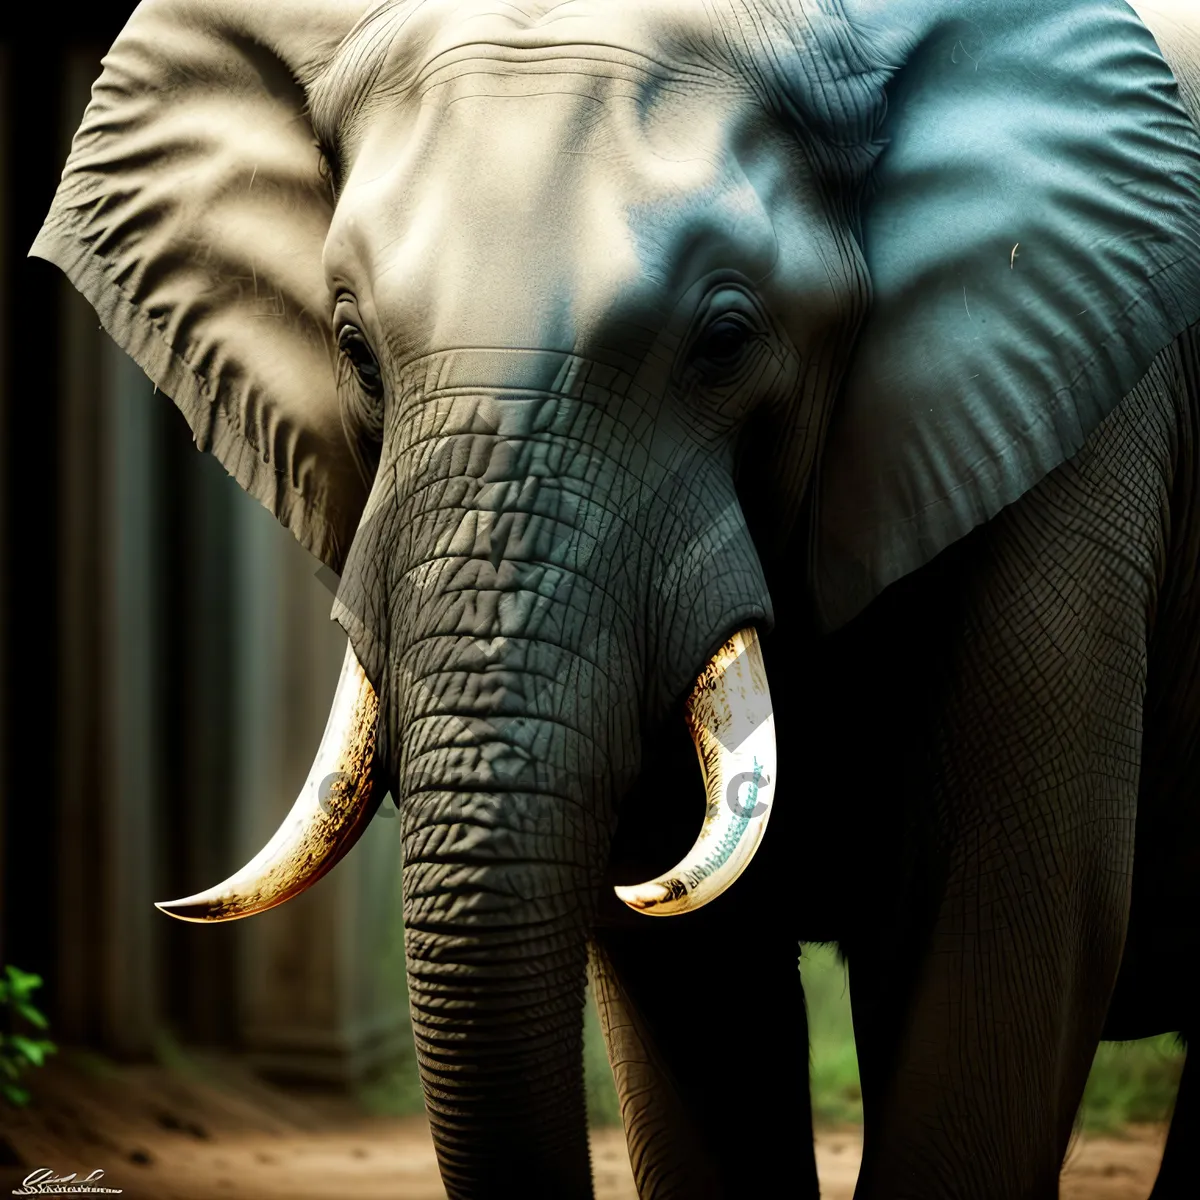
338, 800
732, 724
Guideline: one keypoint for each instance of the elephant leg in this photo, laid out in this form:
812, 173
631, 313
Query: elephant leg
707, 1037
1180, 1169
976, 1033
979, 999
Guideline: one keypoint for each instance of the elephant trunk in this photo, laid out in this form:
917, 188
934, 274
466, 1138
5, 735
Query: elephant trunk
507, 834
496, 989
510, 699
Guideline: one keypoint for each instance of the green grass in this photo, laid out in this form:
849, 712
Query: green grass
602, 1105
1130, 1081
833, 1064
395, 1092
836, 1096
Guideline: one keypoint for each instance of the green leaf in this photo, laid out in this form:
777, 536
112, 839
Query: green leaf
18, 1097
32, 1051
22, 983
32, 1015
9, 1067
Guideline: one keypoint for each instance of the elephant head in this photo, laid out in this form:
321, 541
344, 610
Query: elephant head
559, 330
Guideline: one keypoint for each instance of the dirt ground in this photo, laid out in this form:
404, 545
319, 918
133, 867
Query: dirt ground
223, 1135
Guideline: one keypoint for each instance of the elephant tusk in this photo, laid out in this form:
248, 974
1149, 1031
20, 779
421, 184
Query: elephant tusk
334, 807
732, 723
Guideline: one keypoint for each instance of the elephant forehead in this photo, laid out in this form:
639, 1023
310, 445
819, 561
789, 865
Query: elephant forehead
670, 58
400, 41
505, 206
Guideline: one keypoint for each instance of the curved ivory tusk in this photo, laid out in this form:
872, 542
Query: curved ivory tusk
731, 721
334, 806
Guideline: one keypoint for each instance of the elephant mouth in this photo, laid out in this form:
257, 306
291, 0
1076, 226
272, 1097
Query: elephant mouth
729, 717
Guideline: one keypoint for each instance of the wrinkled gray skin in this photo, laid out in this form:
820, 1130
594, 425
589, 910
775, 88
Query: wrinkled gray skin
567, 518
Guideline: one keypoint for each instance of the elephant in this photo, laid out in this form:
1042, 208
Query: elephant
621, 357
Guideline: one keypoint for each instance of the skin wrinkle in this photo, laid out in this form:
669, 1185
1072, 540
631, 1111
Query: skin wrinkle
557, 64
489, 791
562, 571
492, 794
543, 718
491, 834
525, 667
421, 87
542, 639
606, 511
558, 441
491, 912
496, 900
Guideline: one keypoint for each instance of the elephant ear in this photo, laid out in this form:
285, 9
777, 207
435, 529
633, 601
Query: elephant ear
1032, 232
192, 213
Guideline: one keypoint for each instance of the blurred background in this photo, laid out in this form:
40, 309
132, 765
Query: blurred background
167, 662
166, 666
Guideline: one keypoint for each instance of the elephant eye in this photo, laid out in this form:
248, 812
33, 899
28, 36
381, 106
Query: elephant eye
360, 356
724, 342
